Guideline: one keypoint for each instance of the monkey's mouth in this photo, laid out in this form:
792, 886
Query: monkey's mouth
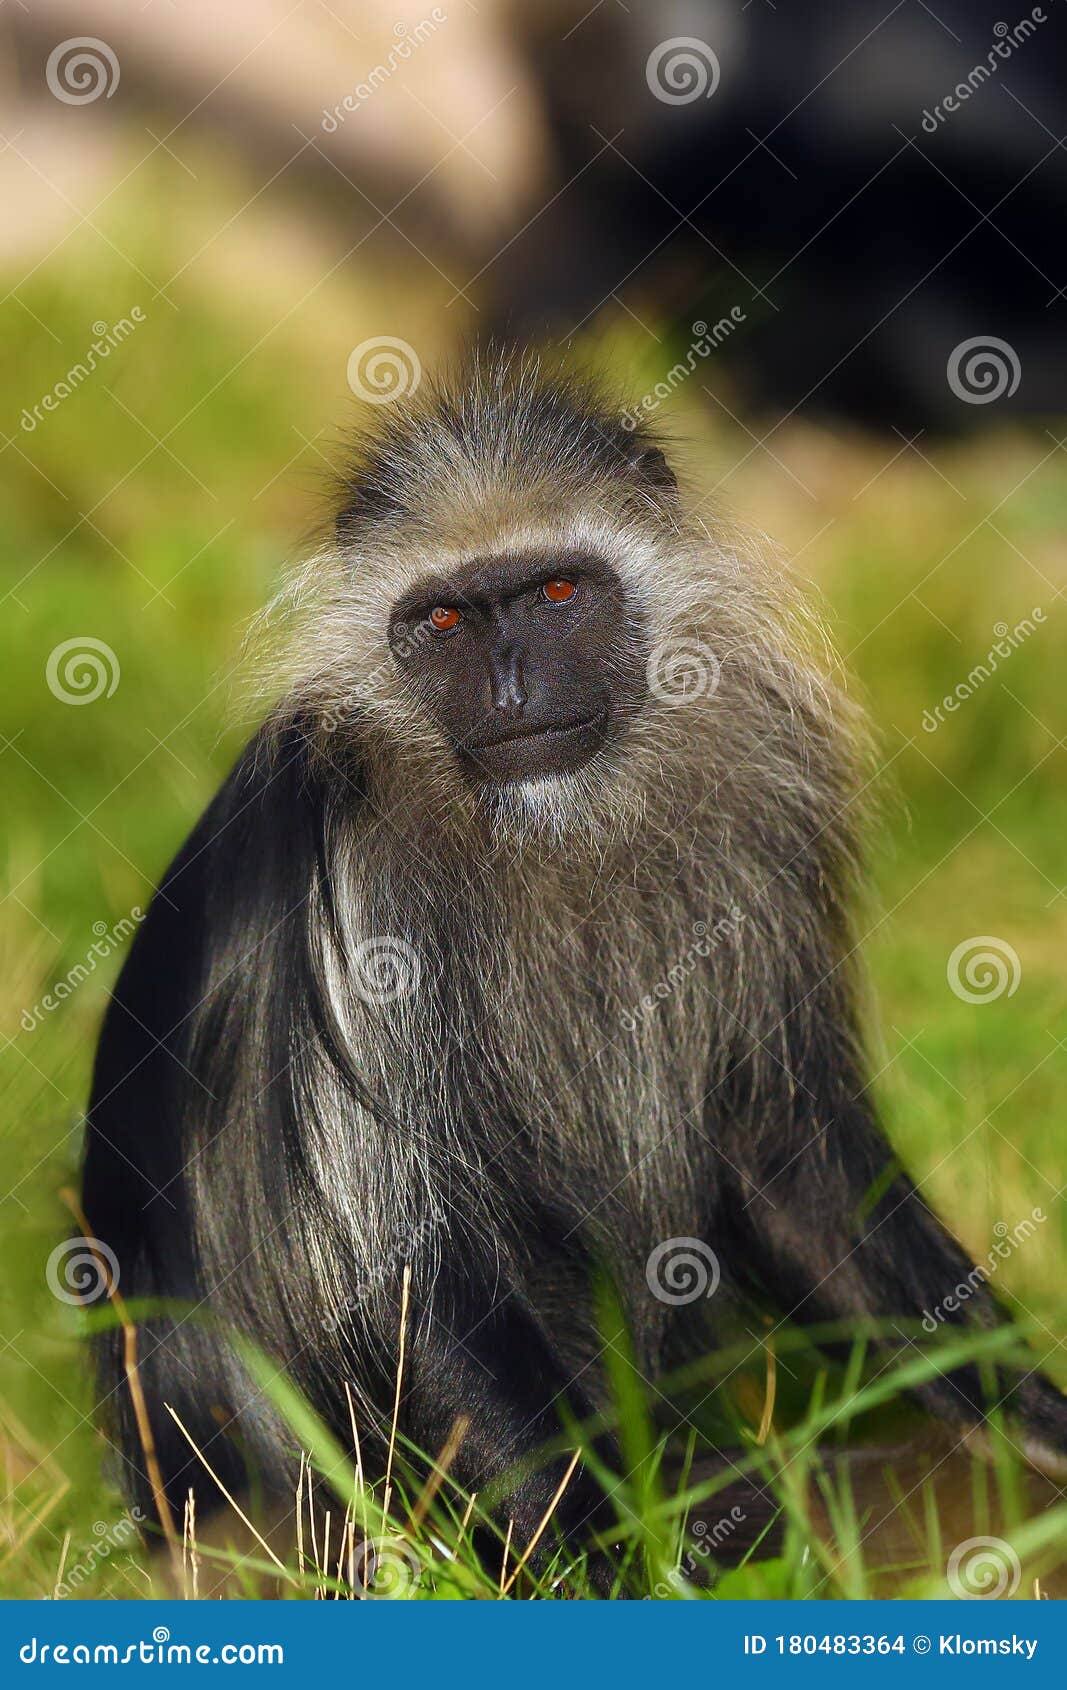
531, 749
534, 731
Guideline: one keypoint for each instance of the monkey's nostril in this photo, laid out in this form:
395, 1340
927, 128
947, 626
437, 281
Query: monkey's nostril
509, 694
509, 701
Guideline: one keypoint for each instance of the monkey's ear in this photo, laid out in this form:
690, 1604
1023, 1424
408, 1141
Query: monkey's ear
653, 468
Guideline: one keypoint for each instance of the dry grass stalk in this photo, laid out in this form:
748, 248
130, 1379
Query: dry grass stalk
62, 1564
324, 1571
358, 1484
466, 1520
439, 1470
767, 1418
241, 1515
129, 1359
405, 1295
190, 1558
504, 1562
309, 1494
300, 1517
540, 1532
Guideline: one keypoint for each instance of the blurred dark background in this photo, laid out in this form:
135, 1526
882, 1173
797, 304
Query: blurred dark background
873, 184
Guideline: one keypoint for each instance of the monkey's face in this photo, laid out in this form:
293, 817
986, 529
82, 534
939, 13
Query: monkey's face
527, 665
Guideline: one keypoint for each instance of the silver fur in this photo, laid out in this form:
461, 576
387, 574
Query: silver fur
575, 896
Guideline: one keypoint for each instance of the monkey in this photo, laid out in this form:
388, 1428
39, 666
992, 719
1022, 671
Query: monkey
517, 951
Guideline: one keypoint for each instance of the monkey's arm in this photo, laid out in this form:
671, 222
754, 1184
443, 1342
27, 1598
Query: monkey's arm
838, 1233
188, 1089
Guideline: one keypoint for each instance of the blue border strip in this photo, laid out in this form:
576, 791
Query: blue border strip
511, 1645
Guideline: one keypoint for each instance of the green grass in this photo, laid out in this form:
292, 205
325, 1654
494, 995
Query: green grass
917, 558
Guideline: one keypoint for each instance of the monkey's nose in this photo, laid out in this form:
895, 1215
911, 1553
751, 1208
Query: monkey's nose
509, 691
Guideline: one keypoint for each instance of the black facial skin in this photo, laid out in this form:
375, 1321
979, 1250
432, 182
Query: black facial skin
523, 687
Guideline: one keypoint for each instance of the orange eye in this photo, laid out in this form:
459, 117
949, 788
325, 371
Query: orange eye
559, 591
444, 617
